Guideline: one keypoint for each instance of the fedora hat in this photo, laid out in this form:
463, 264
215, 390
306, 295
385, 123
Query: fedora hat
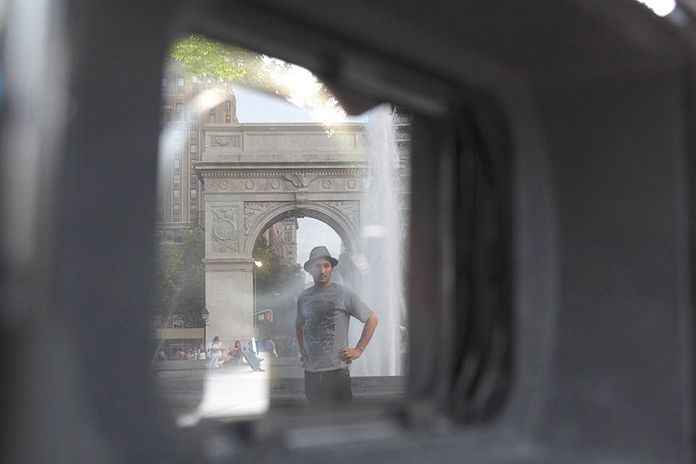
317, 253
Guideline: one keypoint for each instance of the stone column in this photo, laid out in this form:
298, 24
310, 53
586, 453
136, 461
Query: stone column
228, 273
229, 299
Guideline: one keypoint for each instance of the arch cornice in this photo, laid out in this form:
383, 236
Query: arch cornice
216, 170
229, 177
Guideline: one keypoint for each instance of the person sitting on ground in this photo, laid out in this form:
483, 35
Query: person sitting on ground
250, 355
235, 354
217, 351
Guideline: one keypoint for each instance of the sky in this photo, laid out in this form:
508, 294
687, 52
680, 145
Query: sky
253, 107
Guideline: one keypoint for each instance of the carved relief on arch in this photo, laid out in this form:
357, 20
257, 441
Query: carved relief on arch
225, 141
224, 232
350, 209
300, 180
336, 184
253, 210
211, 184
255, 184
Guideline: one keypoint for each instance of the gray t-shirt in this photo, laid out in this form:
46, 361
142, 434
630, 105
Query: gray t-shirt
325, 315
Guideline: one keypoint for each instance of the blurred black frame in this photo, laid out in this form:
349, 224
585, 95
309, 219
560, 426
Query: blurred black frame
549, 273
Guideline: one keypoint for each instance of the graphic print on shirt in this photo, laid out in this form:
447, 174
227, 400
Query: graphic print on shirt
320, 325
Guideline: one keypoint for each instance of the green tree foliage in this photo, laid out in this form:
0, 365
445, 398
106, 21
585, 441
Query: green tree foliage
273, 274
167, 275
190, 301
207, 60
180, 277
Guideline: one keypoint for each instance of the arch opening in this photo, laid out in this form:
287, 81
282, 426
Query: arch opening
335, 219
278, 278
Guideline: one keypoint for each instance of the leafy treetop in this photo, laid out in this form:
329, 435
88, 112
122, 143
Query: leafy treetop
208, 60
211, 61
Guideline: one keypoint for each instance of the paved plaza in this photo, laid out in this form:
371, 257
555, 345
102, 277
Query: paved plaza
195, 392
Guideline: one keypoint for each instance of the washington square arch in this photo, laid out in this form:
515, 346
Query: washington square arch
256, 174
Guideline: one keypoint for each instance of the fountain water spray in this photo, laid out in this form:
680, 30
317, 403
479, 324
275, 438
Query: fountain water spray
382, 264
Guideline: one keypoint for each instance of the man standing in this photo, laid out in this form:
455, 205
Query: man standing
323, 316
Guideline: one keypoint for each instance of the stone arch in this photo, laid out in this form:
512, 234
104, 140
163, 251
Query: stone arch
256, 174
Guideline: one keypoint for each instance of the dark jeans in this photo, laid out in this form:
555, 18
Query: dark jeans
328, 386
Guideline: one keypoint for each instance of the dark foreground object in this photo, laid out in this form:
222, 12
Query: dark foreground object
551, 251
328, 387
